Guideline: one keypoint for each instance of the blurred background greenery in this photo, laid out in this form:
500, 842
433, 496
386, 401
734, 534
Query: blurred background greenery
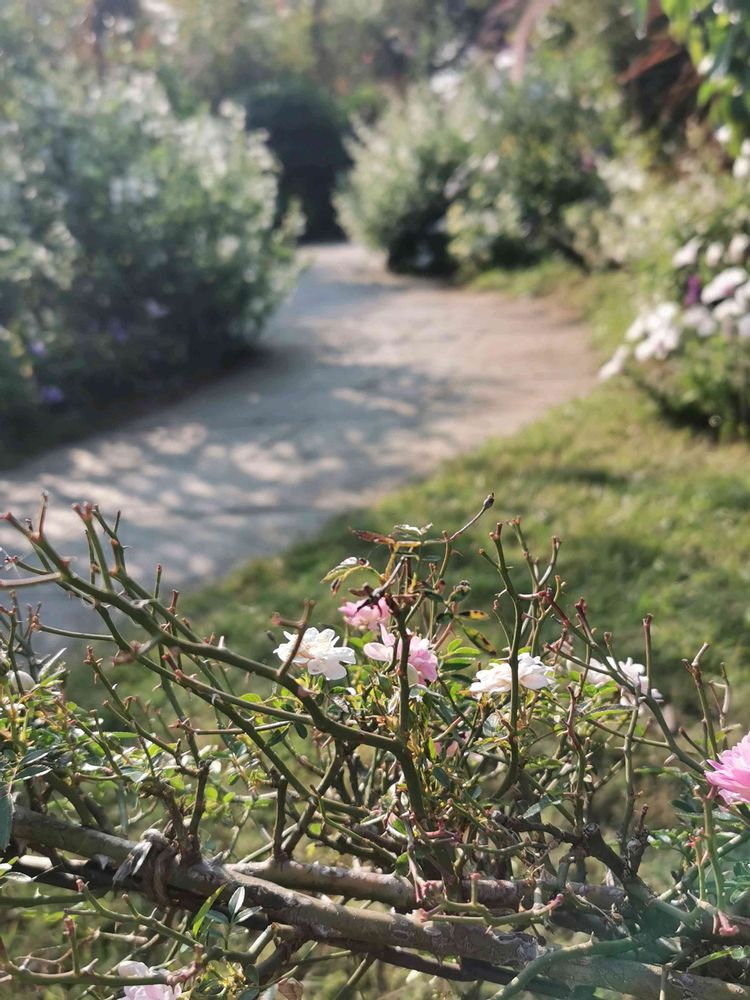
159, 162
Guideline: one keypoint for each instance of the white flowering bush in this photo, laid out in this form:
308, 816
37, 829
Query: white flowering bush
460, 792
691, 350
135, 247
474, 174
398, 191
533, 155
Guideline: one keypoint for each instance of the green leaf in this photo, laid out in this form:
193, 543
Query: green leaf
537, 807
409, 531
345, 569
236, 901
441, 776
686, 805
724, 953
6, 818
201, 914
479, 640
35, 771
32, 756
402, 865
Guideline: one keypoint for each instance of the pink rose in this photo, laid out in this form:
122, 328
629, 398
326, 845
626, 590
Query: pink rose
156, 991
360, 614
422, 659
731, 774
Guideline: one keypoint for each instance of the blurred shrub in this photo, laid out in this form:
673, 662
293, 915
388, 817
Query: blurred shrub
397, 194
533, 147
691, 349
648, 211
717, 36
306, 132
473, 178
135, 247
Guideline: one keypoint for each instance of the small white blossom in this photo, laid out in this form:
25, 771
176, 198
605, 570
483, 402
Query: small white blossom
724, 284
227, 246
19, 680
714, 254
615, 364
505, 60
665, 312
497, 679
723, 134
637, 330
634, 673
157, 991
687, 255
738, 247
729, 310
659, 344
317, 653
446, 84
699, 318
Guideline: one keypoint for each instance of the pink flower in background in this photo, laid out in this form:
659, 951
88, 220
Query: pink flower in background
357, 614
157, 991
422, 659
731, 772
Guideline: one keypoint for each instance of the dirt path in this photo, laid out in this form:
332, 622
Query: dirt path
365, 381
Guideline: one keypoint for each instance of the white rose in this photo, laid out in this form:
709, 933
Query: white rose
317, 653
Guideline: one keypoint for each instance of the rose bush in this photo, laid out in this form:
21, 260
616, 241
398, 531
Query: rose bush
492, 813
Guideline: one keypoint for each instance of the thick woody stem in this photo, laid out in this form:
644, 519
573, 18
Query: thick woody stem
291, 907
322, 919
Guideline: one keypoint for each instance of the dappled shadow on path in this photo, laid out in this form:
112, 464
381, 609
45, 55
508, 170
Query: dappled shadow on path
364, 382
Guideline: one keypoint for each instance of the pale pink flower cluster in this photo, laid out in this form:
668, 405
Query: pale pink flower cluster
497, 678
422, 662
731, 772
157, 991
634, 673
720, 307
360, 614
318, 653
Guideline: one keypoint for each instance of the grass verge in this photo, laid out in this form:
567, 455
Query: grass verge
652, 518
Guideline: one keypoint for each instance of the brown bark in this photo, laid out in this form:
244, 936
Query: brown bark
275, 887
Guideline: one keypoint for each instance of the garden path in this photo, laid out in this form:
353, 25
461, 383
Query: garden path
364, 382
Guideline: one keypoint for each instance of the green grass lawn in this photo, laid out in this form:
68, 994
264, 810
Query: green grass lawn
652, 518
